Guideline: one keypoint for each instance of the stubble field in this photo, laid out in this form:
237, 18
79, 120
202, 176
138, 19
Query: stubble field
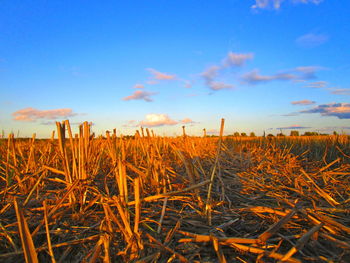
84, 198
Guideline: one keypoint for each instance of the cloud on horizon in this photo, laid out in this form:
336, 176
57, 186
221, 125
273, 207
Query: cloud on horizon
303, 102
336, 128
70, 123
276, 4
213, 132
290, 114
339, 110
32, 114
156, 120
295, 126
140, 95
311, 40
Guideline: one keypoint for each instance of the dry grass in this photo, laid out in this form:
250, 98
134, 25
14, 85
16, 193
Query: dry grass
187, 199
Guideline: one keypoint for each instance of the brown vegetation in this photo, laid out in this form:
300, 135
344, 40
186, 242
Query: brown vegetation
187, 199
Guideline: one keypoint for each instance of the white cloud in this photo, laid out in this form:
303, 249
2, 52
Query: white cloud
141, 95
276, 4
303, 102
316, 2
311, 40
155, 120
263, 4
31, 114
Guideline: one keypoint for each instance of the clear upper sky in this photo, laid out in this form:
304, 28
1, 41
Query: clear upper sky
261, 65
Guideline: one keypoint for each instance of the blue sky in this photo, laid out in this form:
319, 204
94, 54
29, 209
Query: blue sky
261, 65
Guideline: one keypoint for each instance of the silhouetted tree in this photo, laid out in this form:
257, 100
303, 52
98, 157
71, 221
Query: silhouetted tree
311, 133
294, 133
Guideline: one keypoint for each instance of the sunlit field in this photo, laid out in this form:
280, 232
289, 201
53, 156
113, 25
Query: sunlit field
144, 198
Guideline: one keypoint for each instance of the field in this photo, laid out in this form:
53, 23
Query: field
86, 198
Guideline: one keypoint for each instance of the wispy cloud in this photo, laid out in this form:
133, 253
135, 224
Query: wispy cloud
276, 4
209, 77
188, 84
317, 84
295, 126
214, 85
130, 124
231, 60
210, 74
187, 121
75, 71
236, 59
303, 102
139, 86
32, 114
339, 110
254, 77
296, 74
307, 72
157, 76
264, 4
341, 91
311, 40
192, 95
156, 120
141, 95
316, 2
290, 114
